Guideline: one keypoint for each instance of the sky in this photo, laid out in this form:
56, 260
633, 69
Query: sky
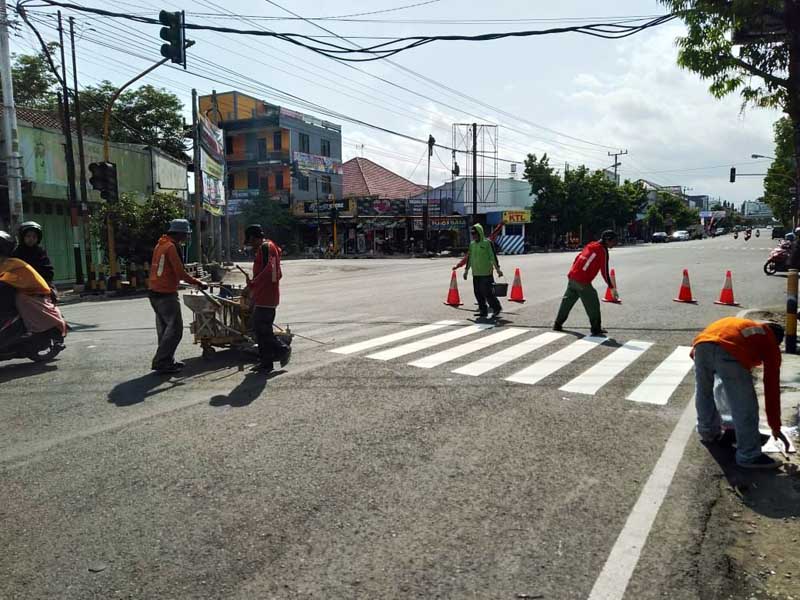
575, 97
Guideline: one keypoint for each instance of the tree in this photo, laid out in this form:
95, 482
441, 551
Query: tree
34, 83
145, 115
278, 222
765, 71
780, 175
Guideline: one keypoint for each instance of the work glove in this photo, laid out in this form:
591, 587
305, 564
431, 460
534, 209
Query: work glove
465, 275
779, 436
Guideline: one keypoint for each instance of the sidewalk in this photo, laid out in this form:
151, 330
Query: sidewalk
755, 523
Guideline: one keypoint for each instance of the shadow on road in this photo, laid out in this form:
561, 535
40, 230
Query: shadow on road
27, 369
248, 390
773, 494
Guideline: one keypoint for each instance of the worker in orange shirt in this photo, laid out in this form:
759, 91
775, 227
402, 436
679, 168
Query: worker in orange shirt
730, 348
166, 272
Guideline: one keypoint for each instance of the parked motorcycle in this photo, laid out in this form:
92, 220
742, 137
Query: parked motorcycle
736, 235
778, 259
17, 342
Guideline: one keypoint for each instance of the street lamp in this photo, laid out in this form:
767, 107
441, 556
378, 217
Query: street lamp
762, 156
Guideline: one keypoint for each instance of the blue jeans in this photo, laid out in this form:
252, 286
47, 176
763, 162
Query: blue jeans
710, 359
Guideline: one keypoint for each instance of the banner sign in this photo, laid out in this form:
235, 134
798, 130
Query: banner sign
313, 162
210, 166
212, 138
417, 204
213, 192
325, 206
516, 216
442, 224
381, 208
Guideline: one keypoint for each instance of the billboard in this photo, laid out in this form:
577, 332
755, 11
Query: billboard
314, 162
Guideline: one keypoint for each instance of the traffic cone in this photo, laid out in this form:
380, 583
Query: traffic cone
453, 299
685, 293
516, 289
726, 295
610, 295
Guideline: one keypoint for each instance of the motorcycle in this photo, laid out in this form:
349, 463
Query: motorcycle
747, 235
778, 259
736, 235
758, 233
17, 342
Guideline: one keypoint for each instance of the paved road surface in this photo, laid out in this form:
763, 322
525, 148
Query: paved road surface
448, 459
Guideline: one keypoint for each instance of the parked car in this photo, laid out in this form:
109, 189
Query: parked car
680, 236
660, 237
720, 231
778, 233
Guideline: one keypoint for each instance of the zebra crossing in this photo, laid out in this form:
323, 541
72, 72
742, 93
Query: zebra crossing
657, 386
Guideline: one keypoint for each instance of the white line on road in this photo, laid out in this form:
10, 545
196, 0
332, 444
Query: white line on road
428, 342
612, 365
434, 360
662, 382
616, 574
547, 366
479, 367
394, 337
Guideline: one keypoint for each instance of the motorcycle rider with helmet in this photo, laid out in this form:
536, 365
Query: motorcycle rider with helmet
30, 250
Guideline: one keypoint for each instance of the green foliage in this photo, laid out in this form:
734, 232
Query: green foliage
582, 199
34, 83
671, 207
780, 175
278, 222
137, 226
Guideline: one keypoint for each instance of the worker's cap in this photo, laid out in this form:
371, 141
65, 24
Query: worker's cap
777, 330
253, 231
608, 234
179, 226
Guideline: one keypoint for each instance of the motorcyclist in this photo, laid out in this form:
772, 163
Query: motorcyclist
23, 290
30, 250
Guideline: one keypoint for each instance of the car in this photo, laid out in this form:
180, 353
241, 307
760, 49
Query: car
660, 237
720, 231
778, 233
680, 236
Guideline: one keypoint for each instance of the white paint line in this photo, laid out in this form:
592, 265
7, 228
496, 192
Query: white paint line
662, 382
434, 360
436, 340
479, 367
616, 574
612, 365
393, 337
547, 366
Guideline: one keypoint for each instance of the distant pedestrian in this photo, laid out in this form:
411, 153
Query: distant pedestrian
592, 259
30, 250
166, 272
264, 288
730, 348
482, 259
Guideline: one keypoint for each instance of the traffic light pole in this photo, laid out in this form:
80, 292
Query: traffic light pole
198, 181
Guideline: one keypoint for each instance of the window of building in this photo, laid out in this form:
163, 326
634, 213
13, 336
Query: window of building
277, 141
305, 143
228, 144
325, 147
252, 179
303, 183
325, 184
231, 181
278, 181
262, 149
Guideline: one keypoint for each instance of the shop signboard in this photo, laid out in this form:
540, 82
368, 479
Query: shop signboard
210, 166
314, 162
325, 206
368, 207
516, 216
441, 224
211, 138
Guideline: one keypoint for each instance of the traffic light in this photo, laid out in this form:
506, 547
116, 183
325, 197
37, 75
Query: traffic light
733, 174
175, 35
104, 180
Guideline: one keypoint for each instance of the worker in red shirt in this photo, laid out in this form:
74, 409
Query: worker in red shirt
166, 272
730, 348
592, 259
264, 289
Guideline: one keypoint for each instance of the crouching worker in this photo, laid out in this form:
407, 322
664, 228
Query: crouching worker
264, 290
730, 348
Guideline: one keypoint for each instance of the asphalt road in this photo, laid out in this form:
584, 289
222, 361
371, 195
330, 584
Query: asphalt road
351, 476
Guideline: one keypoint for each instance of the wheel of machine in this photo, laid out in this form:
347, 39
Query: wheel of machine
209, 352
770, 268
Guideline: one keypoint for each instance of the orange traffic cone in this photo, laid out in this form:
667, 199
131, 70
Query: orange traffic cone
611, 295
453, 299
516, 289
685, 293
726, 295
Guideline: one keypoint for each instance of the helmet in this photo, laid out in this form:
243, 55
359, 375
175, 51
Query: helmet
252, 231
789, 237
7, 244
30, 226
179, 226
608, 234
797, 230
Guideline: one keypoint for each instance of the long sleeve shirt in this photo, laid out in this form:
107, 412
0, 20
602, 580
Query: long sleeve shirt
593, 259
166, 268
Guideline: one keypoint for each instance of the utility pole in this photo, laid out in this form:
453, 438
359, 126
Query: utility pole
616, 156
426, 215
83, 210
198, 181
474, 173
72, 193
226, 233
10, 135
319, 230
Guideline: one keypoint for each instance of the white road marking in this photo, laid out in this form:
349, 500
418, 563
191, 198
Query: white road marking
444, 356
479, 367
616, 574
436, 340
547, 366
662, 382
393, 337
612, 365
